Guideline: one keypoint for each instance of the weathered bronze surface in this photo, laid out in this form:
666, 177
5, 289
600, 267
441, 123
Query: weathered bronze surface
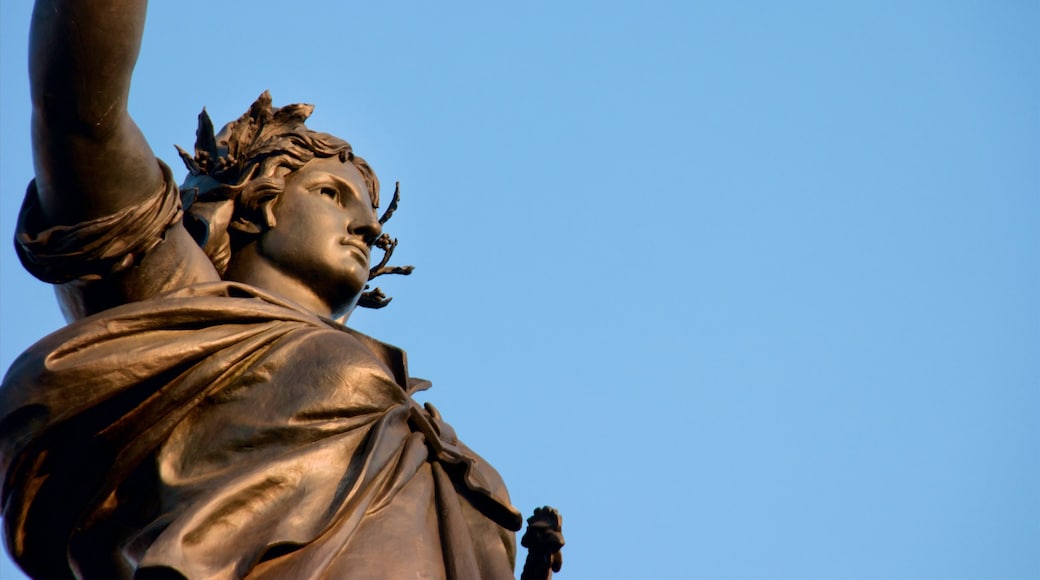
206, 414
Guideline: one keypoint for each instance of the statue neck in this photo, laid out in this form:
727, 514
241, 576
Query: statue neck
250, 267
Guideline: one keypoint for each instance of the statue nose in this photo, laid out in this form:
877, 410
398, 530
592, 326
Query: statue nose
369, 228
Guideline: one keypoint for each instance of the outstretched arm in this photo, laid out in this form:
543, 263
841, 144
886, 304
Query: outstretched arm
91, 160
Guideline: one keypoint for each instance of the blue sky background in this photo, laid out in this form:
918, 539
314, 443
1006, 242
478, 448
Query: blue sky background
745, 289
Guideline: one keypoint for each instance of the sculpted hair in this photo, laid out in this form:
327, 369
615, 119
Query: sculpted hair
237, 172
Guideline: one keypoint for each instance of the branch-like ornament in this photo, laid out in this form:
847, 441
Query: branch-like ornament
390, 209
375, 298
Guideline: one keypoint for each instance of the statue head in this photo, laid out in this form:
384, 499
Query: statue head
237, 177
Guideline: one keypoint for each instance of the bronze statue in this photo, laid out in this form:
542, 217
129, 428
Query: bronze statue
206, 414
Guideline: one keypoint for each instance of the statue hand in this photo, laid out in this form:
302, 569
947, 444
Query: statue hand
543, 540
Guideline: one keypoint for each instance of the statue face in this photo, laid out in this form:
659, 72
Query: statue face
323, 224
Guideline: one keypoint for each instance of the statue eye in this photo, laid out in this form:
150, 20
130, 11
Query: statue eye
329, 192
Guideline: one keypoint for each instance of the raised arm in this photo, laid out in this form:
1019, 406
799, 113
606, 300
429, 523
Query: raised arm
91, 160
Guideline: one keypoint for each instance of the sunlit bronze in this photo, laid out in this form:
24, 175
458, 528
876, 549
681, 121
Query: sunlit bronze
206, 414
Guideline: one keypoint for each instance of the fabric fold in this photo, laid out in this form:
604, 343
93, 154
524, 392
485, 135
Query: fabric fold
223, 433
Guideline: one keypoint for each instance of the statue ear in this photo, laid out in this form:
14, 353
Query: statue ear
246, 226
259, 222
265, 214
260, 199
267, 210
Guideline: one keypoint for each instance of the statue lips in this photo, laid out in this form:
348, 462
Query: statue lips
361, 248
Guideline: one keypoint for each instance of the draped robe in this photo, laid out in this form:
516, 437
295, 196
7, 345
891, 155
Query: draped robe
219, 431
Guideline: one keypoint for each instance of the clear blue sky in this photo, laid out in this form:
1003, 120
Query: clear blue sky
746, 289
